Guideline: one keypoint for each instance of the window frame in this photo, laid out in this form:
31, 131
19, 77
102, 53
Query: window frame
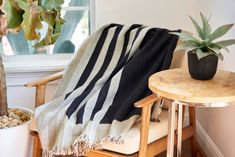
46, 62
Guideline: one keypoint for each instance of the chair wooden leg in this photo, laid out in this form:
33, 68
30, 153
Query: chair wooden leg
192, 120
40, 95
37, 149
40, 99
144, 130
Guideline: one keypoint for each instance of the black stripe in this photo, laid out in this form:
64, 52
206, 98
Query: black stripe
100, 73
95, 54
136, 35
126, 41
80, 114
101, 98
154, 54
122, 59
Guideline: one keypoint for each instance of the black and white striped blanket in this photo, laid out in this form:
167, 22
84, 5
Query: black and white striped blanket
94, 101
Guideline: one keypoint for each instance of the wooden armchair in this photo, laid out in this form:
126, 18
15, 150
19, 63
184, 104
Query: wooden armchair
145, 138
146, 149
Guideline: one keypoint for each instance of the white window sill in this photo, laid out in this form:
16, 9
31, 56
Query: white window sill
35, 63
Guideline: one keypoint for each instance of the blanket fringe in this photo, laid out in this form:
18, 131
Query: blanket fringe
81, 146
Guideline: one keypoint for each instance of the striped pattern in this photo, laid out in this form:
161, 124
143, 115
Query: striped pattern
94, 101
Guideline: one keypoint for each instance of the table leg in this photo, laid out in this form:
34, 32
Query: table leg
179, 129
171, 130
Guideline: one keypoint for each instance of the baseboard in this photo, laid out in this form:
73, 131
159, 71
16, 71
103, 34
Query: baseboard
206, 143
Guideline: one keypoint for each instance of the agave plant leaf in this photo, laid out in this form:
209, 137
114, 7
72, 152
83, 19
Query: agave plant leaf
200, 54
14, 14
206, 27
221, 57
226, 42
214, 45
205, 42
217, 52
186, 47
198, 28
187, 37
220, 31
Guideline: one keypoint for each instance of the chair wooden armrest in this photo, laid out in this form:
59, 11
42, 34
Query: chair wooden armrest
45, 80
149, 100
145, 104
41, 87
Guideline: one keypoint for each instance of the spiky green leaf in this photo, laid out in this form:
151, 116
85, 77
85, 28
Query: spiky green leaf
213, 45
221, 57
220, 31
200, 54
217, 52
186, 37
206, 27
198, 28
226, 42
187, 47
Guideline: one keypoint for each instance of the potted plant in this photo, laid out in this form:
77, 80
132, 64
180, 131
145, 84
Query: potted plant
204, 50
26, 15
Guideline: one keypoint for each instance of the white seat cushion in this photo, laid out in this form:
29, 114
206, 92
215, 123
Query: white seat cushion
157, 130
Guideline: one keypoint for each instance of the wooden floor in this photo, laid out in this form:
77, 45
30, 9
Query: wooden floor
186, 151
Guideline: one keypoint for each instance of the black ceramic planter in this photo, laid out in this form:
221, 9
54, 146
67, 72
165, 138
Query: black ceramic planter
203, 69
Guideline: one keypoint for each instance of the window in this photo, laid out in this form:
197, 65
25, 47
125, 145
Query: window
78, 17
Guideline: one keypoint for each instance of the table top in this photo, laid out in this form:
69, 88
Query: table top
176, 84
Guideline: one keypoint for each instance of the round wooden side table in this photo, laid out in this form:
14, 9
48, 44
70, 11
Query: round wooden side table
177, 85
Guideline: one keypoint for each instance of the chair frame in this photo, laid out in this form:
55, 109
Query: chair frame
145, 150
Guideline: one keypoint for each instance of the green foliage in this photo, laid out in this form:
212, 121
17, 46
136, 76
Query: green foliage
29, 16
14, 14
204, 44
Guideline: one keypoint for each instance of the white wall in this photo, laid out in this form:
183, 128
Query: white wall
18, 95
160, 13
219, 123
